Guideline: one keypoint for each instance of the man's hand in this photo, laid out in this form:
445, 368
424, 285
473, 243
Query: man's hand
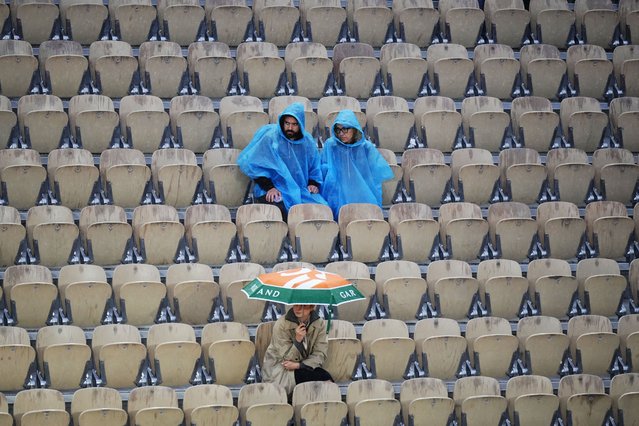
290, 365
313, 189
273, 195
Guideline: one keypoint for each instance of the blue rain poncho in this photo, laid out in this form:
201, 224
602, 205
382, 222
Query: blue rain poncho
289, 164
353, 173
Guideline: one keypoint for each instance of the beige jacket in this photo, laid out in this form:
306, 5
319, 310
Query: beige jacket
283, 347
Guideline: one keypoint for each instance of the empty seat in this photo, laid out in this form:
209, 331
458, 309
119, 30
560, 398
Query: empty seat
357, 70
425, 399
209, 233
388, 350
502, 288
608, 228
523, 177
582, 399
616, 174
401, 288
124, 176
12, 234
241, 117
192, 292
370, 22
233, 277
36, 406
261, 232
601, 286
440, 348
22, 176
173, 353
17, 359
475, 176
512, 230
63, 67
19, 67
403, 68
438, 122
309, 71
194, 123
226, 183
492, 347
363, 232
72, 176
560, 228
98, 405
30, 295
138, 293
318, 403
628, 19
176, 175
51, 234
543, 345
455, 223
449, 70
427, 178
416, 22
181, 21
84, 21
413, 230
260, 69
531, 400
63, 356
163, 69
372, 400
461, 21
158, 233
43, 122
478, 400
553, 288
119, 357
623, 112
133, 21
593, 345
359, 275
8, 121
624, 391
144, 123
589, 71
543, 71
264, 404
390, 123
625, 63
597, 22
324, 21
452, 288
277, 21
343, 356
570, 175
627, 329
228, 352
209, 403
154, 405
313, 232
497, 70
93, 122
507, 22
35, 21
114, 69
212, 69
229, 21
85, 294
552, 22
485, 122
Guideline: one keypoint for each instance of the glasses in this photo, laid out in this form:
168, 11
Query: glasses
340, 130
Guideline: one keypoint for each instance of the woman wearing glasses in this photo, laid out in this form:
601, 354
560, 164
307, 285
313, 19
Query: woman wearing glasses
352, 167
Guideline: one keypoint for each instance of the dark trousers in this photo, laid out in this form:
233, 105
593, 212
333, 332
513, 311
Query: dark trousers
305, 375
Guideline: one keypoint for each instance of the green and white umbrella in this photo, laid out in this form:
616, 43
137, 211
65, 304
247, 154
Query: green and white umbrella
303, 286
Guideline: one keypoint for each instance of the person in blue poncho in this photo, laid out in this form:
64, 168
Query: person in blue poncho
352, 168
283, 161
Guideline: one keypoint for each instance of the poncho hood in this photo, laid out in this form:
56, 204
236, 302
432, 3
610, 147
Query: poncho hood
347, 118
295, 110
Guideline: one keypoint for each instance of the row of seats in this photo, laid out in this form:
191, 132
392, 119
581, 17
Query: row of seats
141, 122
118, 357
527, 400
136, 294
280, 21
106, 236
306, 69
